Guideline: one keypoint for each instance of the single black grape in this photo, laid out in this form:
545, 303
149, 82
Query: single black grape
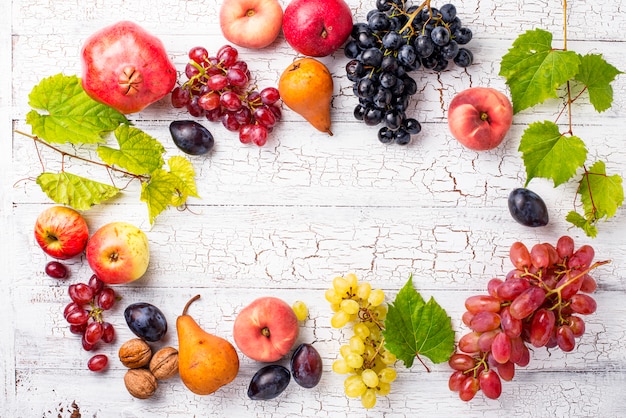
378, 21
393, 119
306, 366
351, 50
410, 86
385, 135
373, 116
398, 88
448, 12
383, 5
355, 70
424, 46
440, 35
366, 87
462, 35
464, 58
372, 57
392, 40
365, 40
269, 382
382, 98
389, 63
359, 111
412, 126
191, 137
400, 102
146, 321
450, 51
407, 54
528, 208
387, 79
402, 137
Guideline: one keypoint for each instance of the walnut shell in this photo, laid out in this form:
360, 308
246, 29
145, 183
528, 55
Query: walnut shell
164, 363
135, 353
140, 383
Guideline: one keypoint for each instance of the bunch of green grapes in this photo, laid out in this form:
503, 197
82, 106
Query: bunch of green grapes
364, 359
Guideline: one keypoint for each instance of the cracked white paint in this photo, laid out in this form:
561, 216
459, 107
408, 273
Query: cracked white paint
285, 219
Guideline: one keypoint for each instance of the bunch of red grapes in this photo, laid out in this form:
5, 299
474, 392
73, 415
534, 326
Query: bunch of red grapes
539, 304
218, 88
85, 316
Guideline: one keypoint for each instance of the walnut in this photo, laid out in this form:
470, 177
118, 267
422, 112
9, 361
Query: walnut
140, 383
135, 353
164, 363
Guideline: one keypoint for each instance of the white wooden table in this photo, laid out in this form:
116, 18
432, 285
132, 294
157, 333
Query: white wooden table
284, 219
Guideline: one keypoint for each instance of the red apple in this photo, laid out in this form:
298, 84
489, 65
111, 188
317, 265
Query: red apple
251, 23
266, 329
118, 253
480, 117
61, 232
317, 28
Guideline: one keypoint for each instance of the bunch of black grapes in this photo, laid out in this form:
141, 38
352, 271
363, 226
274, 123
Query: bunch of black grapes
395, 41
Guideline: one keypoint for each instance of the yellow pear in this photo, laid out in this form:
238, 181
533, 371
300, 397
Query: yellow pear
306, 87
206, 362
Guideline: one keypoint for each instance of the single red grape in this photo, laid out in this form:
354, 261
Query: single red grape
80, 293
98, 362
106, 298
56, 270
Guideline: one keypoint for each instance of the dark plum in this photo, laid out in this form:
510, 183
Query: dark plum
146, 321
191, 137
269, 382
528, 208
306, 366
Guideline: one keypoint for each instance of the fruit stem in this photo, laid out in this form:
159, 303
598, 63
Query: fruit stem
192, 300
408, 24
67, 154
558, 290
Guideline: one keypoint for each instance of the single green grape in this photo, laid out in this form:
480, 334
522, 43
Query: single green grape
354, 386
361, 330
341, 367
370, 378
356, 345
363, 290
387, 375
300, 309
377, 296
339, 319
350, 306
368, 398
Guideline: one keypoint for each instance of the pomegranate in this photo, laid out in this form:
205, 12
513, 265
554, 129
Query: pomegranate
126, 67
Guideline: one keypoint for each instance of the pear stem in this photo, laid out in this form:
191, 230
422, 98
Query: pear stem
192, 300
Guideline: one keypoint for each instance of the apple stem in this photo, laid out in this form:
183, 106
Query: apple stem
484, 116
192, 300
265, 332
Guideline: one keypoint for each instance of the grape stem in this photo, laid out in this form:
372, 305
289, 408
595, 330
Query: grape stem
559, 289
570, 130
411, 16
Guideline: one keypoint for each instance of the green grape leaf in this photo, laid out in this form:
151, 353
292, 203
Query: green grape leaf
534, 71
183, 170
601, 194
75, 191
597, 75
581, 222
415, 328
162, 190
72, 116
139, 153
548, 154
